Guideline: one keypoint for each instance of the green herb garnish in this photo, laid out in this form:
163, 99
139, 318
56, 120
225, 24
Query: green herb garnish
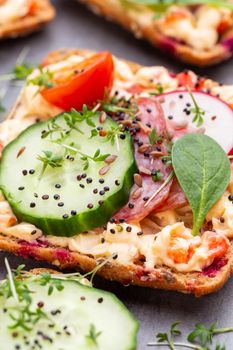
161, 6
203, 171
197, 111
50, 159
93, 335
44, 79
202, 337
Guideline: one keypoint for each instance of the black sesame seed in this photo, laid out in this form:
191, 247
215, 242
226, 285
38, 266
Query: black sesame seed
56, 196
101, 181
65, 216
139, 233
32, 205
79, 177
58, 186
84, 176
112, 220
222, 220
145, 198
138, 119
115, 256
153, 172
89, 180
102, 240
95, 190
102, 192
122, 136
82, 186
112, 230
122, 220
170, 117
117, 183
35, 195
73, 212
149, 110
230, 197
90, 206
101, 202
60, 204
15, 334
45, 196
31, 171
128, 228
131, 205
24, 172
146, 154
181, 96
140, 143
21, 188
40, 304
82, 298
148, 124
106, 188
100, 300
33, 232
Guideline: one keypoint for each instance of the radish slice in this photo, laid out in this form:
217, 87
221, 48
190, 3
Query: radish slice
217, 117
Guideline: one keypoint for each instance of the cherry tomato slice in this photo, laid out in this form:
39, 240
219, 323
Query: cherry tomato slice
86, 84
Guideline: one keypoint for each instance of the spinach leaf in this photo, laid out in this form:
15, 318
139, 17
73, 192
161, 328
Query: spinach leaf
203, 171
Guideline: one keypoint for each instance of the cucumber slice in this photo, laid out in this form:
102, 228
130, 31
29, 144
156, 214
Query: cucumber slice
75, 193
80, 317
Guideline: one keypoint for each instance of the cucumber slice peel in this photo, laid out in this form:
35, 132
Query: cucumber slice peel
78, 190
75, 316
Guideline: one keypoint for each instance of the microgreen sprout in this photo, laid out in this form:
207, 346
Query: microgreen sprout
50, 159
199, 339
197, 111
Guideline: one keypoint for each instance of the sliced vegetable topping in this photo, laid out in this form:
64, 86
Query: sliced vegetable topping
203, 171
187, 112
87, 83
58, 312
69, 174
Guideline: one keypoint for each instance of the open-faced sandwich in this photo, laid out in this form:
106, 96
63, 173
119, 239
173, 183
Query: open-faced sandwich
199, 32
21, 17
136, 164
47, 310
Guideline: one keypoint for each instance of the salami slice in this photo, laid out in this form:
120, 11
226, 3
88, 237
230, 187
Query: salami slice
176, 198
150, 117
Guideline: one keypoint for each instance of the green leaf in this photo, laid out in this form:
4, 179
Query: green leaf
162, 337
203, 171
153, 137
202, 334
97, 153
174, 329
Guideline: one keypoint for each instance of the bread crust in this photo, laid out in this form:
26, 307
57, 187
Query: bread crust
181, 51
44, 13
197, 283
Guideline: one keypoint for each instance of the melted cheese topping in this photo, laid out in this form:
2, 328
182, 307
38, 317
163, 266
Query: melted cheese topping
11, 10
154, 245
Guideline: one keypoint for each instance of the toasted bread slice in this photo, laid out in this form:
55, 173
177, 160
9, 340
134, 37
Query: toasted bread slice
198, 283
150, 30
43, 13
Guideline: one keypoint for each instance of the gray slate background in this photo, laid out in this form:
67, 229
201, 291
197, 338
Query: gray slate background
77, 27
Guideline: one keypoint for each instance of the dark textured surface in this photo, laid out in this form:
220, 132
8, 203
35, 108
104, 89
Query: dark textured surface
76, 27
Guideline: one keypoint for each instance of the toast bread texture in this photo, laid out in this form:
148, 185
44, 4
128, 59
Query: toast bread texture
115, 11
43, 14
207, 281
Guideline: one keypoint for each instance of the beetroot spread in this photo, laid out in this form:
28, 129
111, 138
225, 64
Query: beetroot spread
214, 268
